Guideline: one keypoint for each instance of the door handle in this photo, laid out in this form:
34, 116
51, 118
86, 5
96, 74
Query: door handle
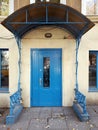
40, 81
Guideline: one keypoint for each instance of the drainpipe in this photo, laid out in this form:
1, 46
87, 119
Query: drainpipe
77, 49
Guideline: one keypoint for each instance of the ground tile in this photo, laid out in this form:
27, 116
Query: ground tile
57, 109
74, 125
4, 127
23, 125
68, 111
57, 123
95, 108
91, 112
37, 124
45, 114
94, 121
94, 128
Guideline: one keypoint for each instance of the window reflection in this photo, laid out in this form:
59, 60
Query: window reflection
46, 72
54, 1
4, 7
91, 7
92, 70
4, 68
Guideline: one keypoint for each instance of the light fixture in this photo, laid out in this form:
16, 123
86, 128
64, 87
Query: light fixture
48, 35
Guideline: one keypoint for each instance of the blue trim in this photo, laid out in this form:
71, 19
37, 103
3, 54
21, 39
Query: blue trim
46, 22
97, 71
4, 90
61, 77
93, 90
46, 14
4, 49
0, 69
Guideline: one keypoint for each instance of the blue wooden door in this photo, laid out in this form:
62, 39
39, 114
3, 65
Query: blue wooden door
46, 77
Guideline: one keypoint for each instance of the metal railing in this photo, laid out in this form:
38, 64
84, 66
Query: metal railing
15, 107
15, 99
81, 100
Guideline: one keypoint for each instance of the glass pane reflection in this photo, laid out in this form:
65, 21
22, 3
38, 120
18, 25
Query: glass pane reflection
92, 70
46, 71
4, 68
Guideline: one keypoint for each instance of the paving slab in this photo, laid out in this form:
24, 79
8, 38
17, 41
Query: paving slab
92, 111
94, 121
53, 118
3, 127
68, 111
94, 128
95, 108
57, 123
73, 125
23, 125
37, 124
45, 113
30, 113
57, 109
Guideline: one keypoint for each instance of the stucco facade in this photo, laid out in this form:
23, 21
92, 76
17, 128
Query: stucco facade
36, 39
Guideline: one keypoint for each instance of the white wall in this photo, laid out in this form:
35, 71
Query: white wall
88, 42
36, 39
7, 41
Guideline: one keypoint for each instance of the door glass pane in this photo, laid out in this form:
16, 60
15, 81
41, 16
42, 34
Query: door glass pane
46, 71
92, 70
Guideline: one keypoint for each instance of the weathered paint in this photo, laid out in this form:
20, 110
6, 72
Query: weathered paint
36, 39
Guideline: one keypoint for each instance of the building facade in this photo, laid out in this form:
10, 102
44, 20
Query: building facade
48, 60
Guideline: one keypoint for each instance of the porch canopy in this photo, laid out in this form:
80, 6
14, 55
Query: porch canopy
51, 14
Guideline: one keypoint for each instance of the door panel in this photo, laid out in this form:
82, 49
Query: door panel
46, 77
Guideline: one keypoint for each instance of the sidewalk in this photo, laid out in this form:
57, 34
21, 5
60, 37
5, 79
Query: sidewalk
53, 118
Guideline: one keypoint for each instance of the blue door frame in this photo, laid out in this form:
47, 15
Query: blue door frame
46, 91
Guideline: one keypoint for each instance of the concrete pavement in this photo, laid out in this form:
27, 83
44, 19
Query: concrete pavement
53, 118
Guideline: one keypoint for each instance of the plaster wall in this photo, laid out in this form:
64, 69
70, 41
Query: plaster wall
36, 39
7, 40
